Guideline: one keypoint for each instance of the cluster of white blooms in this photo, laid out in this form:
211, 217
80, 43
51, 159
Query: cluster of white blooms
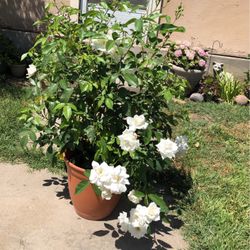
31, 70
128, 139
109, 179
166, 147
140, 218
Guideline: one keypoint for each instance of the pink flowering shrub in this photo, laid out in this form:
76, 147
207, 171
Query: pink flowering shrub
182, 54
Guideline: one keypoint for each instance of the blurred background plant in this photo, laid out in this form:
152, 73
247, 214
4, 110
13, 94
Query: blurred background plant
247, 84
229, 87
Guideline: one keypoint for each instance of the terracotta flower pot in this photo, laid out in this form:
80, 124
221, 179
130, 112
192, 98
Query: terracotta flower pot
192, 76
87, 204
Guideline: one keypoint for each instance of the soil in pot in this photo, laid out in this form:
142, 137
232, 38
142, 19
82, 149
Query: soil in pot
18, 70
87, 204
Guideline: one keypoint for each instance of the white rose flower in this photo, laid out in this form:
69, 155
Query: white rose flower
138, 222
137, 122
132, 197
99, 173
128, 141
167, 148
182, 144
138, 215
31, 70
117, 181
153, 212
109, 179
137, 231
123, 221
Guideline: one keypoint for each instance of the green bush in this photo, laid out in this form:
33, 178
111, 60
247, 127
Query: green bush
87, 80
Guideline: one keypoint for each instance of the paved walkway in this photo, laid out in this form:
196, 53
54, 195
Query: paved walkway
36, 214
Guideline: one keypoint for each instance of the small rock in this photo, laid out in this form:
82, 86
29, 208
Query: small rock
196, 97
241, 100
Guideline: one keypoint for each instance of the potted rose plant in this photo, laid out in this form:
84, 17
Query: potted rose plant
104, 109
188, 62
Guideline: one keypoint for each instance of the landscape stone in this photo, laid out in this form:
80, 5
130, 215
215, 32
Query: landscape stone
241, 100
196, 97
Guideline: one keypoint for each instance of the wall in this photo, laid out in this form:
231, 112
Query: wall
17, 18
207, 21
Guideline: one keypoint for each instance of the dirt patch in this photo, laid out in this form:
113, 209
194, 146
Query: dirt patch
241, 130
197, 117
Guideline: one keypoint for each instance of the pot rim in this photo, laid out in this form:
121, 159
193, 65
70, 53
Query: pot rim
18, 65
72, 165
189, 71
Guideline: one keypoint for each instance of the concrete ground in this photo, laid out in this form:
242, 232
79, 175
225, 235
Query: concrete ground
36, 214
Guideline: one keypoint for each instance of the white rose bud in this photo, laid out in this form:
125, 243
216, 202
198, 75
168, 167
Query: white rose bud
133, 198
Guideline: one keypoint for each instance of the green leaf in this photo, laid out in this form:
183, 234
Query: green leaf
32, 135
58, 106
67, 112
63, 83
86, 86
24, 141
109, 103
81, 186
87, 173
130, 77
167, 95
24, 56
91, 133
158, 201
165, 219
110, 44
168, 27
66, 94
147, 135
139, 194
138, 25
97, 190
72, 106
158, 166
130, 21
100, 102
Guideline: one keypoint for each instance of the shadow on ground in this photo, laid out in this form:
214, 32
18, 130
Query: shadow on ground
174, 187
125, 242
64, 192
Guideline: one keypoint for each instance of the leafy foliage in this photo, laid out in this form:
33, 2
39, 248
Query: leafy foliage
93, 74
228, 86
